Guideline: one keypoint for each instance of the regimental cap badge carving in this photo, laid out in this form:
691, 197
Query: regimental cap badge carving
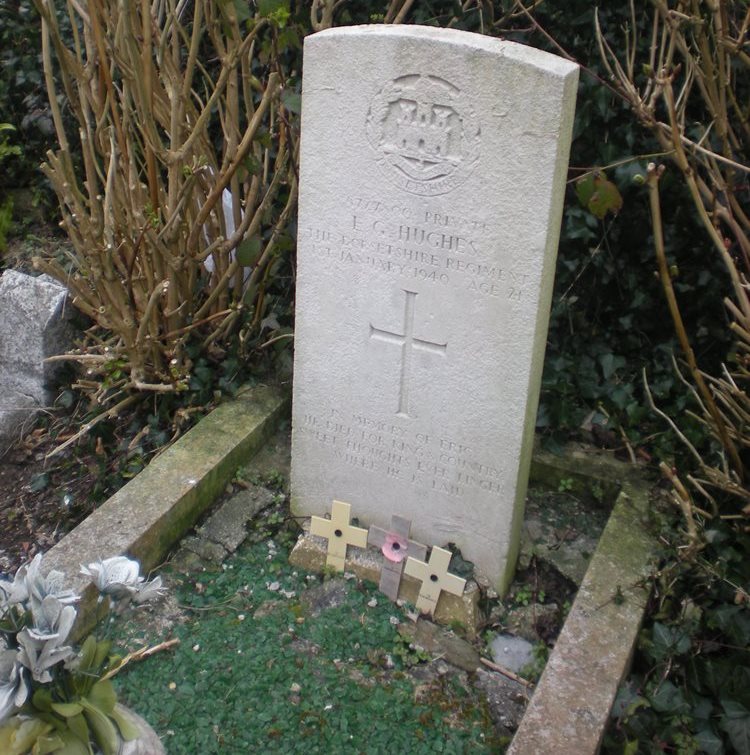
425, 134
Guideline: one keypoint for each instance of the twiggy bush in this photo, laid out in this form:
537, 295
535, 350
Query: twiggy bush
187, 184
692, 94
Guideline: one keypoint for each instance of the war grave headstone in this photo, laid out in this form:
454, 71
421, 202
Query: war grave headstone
433, 166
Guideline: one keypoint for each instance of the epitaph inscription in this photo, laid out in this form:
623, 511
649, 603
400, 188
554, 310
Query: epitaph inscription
431, 463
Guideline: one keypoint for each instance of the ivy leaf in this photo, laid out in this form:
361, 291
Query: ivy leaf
668, 641
736, 723
669, 699
247, 251
598, 195
610, 364
292, 101
709, 742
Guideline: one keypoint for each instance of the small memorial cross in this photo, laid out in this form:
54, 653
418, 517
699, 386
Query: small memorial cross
395, 546
435, 578
339, 533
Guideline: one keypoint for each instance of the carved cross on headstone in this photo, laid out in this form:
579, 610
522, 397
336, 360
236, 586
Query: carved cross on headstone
339, 533
395, 546
435, 578
407, 341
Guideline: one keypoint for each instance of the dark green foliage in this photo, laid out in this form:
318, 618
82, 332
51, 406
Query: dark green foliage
609, 318
690, 687
23, 99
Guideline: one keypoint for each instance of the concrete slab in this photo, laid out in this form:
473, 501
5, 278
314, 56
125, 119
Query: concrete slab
570, 707
228, 525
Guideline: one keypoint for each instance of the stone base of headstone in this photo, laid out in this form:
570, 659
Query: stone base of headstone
309, 554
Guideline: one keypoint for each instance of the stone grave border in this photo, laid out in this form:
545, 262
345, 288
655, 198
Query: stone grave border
569, 710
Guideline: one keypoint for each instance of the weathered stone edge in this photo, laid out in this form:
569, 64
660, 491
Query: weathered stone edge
583, 468
149, 515
570, 708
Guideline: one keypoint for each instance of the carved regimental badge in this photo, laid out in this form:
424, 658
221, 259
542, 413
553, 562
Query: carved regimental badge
425, 134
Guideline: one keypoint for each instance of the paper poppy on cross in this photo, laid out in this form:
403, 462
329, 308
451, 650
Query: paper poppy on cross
395, 546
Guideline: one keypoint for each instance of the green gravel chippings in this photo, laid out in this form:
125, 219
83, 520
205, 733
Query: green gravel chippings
294, 676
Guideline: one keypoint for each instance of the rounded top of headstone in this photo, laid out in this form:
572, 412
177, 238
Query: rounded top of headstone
553, 64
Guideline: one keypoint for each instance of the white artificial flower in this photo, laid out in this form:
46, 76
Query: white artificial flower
14, 686
39, 656
39, 587
12, 593
149, 591
42, 645
52, 620
118, 577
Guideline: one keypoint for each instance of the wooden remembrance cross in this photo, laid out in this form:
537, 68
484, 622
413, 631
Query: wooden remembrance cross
434, 578
395, 546
339, 533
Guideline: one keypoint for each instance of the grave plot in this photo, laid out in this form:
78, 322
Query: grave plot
274, 646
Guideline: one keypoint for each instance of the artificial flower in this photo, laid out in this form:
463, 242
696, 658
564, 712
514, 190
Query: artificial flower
14, 687
117, 577
39, 587
395, 547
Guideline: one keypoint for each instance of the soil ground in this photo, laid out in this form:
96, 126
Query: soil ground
40, 499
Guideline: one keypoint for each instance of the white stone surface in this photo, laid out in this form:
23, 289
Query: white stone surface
510, 652
433, 169
33, 325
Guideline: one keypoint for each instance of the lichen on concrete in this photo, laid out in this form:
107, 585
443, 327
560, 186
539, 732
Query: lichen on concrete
571, 705
149, 515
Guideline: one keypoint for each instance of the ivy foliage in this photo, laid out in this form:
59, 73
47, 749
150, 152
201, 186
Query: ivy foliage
609, 320
23, 99
689, 691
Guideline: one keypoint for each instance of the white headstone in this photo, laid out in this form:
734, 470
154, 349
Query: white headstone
433, 166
